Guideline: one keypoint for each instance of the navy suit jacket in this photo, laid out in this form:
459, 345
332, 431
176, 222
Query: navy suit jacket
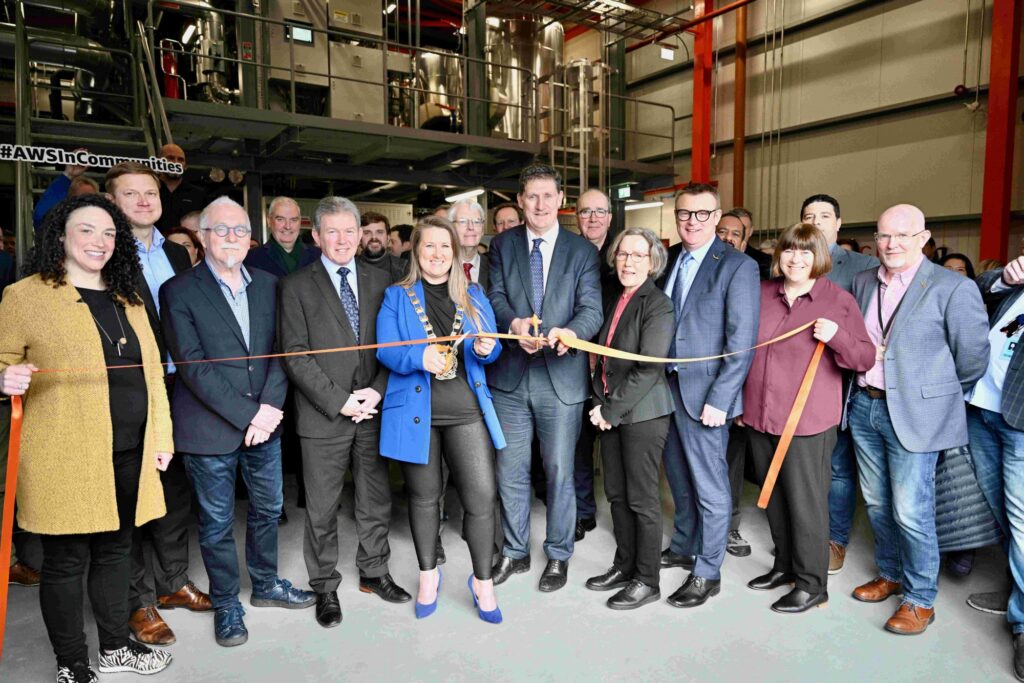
267, 259
721, 314
213, 403
846, 265
572, 299
1013, 384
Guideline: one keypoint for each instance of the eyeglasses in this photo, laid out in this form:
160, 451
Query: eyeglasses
463, 222
634, 258
899, 238
587, 213
221, 230
701, 216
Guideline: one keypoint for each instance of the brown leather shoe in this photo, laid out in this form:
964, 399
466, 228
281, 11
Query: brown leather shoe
910, 620
876, 590
148, 627
189, 597
23, 575
836, 557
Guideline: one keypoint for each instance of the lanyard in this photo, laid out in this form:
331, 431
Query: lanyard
886, 327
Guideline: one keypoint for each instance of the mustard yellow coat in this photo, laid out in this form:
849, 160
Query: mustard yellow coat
66, 477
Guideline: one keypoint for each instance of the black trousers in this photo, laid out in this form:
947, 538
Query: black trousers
107, 555
798, 509
632, 459
469, 453
735, 455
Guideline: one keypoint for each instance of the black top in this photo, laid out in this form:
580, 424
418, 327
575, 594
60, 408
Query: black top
451, 401
186, 199
128, 398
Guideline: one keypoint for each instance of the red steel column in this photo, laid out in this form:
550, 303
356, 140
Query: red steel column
1002, 120
700, 171
739, 133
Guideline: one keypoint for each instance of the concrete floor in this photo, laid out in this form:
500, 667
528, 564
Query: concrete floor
567, 635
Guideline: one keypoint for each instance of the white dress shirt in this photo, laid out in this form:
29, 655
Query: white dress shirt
332, 271
547, 247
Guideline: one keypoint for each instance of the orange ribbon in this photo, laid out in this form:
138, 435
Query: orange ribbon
7, 530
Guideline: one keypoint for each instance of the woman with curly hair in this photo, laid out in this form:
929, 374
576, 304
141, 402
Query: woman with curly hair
92, 440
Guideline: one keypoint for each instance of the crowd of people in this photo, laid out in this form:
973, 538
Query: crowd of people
919, 358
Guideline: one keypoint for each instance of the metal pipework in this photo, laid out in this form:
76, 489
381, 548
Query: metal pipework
209, 59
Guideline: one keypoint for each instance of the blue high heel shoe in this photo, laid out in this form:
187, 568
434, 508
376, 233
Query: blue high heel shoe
424, 611
492, 617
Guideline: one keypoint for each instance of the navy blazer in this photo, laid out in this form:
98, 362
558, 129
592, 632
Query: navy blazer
267, 259
721, 314
572, 299
213, 403
405, 412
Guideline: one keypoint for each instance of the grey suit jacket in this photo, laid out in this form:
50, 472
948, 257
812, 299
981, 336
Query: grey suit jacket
721, 314
572, 299
1013, 384
846, 265
936, 351
311, 317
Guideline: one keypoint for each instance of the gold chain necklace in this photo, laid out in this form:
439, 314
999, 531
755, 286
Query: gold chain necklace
123, 341
449, 350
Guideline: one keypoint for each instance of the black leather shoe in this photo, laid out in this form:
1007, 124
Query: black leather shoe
797, 601
1018, 656
328, 609
670, 559
695, 591
439, 552
636, 594
283, 519
554, 576
608, 581
583, 525
771, 581
385, 587
506, 567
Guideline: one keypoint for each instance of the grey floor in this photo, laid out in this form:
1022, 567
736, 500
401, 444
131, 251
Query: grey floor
568, 635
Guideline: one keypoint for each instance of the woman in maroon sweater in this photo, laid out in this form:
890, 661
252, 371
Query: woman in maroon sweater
798, 511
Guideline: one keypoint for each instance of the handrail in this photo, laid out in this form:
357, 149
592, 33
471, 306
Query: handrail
156, 101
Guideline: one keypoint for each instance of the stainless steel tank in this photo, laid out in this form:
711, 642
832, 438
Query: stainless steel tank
438, 98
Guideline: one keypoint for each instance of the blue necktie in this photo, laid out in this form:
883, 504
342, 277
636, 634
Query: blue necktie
348, 301
537, 275
680, 289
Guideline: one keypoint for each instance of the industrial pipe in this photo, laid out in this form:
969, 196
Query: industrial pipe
688, 25
60, 49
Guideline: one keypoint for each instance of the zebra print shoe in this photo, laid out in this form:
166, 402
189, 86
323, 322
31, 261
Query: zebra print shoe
134, 658
78, 672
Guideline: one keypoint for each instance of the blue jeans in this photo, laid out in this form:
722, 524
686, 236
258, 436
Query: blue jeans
213, 478
842, 495
534, 405
997, 453
899, 493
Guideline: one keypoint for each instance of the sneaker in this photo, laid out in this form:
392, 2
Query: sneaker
836, 557
228, 628
737, 545
134, 658
994, 602
76, 672
283, 594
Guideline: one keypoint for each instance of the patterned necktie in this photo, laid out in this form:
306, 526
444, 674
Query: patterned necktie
348, 301
537, 275
679, 291
467, 267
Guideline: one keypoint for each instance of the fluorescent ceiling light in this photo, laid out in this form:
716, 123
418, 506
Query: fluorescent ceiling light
502, 195
461, 162
190, 31
643, 205
392, 6
468, 194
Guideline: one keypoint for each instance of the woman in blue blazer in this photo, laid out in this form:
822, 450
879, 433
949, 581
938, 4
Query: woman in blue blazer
437, 405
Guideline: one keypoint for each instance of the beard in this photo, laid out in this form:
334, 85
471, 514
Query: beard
374, 249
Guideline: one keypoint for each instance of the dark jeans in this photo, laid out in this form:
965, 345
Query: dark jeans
735, 456
632, 457
798, 509
213, 477
583, 473
107, 555
470, 456
842, 495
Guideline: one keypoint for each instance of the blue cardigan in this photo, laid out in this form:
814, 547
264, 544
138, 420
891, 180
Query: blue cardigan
405, 411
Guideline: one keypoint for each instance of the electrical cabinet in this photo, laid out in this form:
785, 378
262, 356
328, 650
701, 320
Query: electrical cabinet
357, 16
355, 100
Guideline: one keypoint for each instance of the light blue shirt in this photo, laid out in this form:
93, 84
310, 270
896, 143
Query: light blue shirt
332, 271
698, 258
238, 301
988, 392
157, 269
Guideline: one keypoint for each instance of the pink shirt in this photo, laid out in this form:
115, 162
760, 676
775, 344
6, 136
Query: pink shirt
892, 286
620, 306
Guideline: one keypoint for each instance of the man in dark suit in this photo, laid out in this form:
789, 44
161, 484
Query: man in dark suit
714, 291
227, 415
332, 303
284, 252
162, 579
822, 211
177, 197
374, 241
467, 216
539, 269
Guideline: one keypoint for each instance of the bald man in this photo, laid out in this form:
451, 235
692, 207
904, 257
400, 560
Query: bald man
177, 197
931, 334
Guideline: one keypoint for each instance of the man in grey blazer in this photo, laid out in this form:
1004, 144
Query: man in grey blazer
333, 302
822, 211
715, 293
541, 269
995, 423
931, 334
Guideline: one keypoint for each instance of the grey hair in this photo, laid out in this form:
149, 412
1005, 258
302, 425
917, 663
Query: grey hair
329, 206
204, 217
659, 255
466, 202
281, 199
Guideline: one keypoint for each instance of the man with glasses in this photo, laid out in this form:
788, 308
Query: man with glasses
227, 416
467, 216
715, 294
931, 334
